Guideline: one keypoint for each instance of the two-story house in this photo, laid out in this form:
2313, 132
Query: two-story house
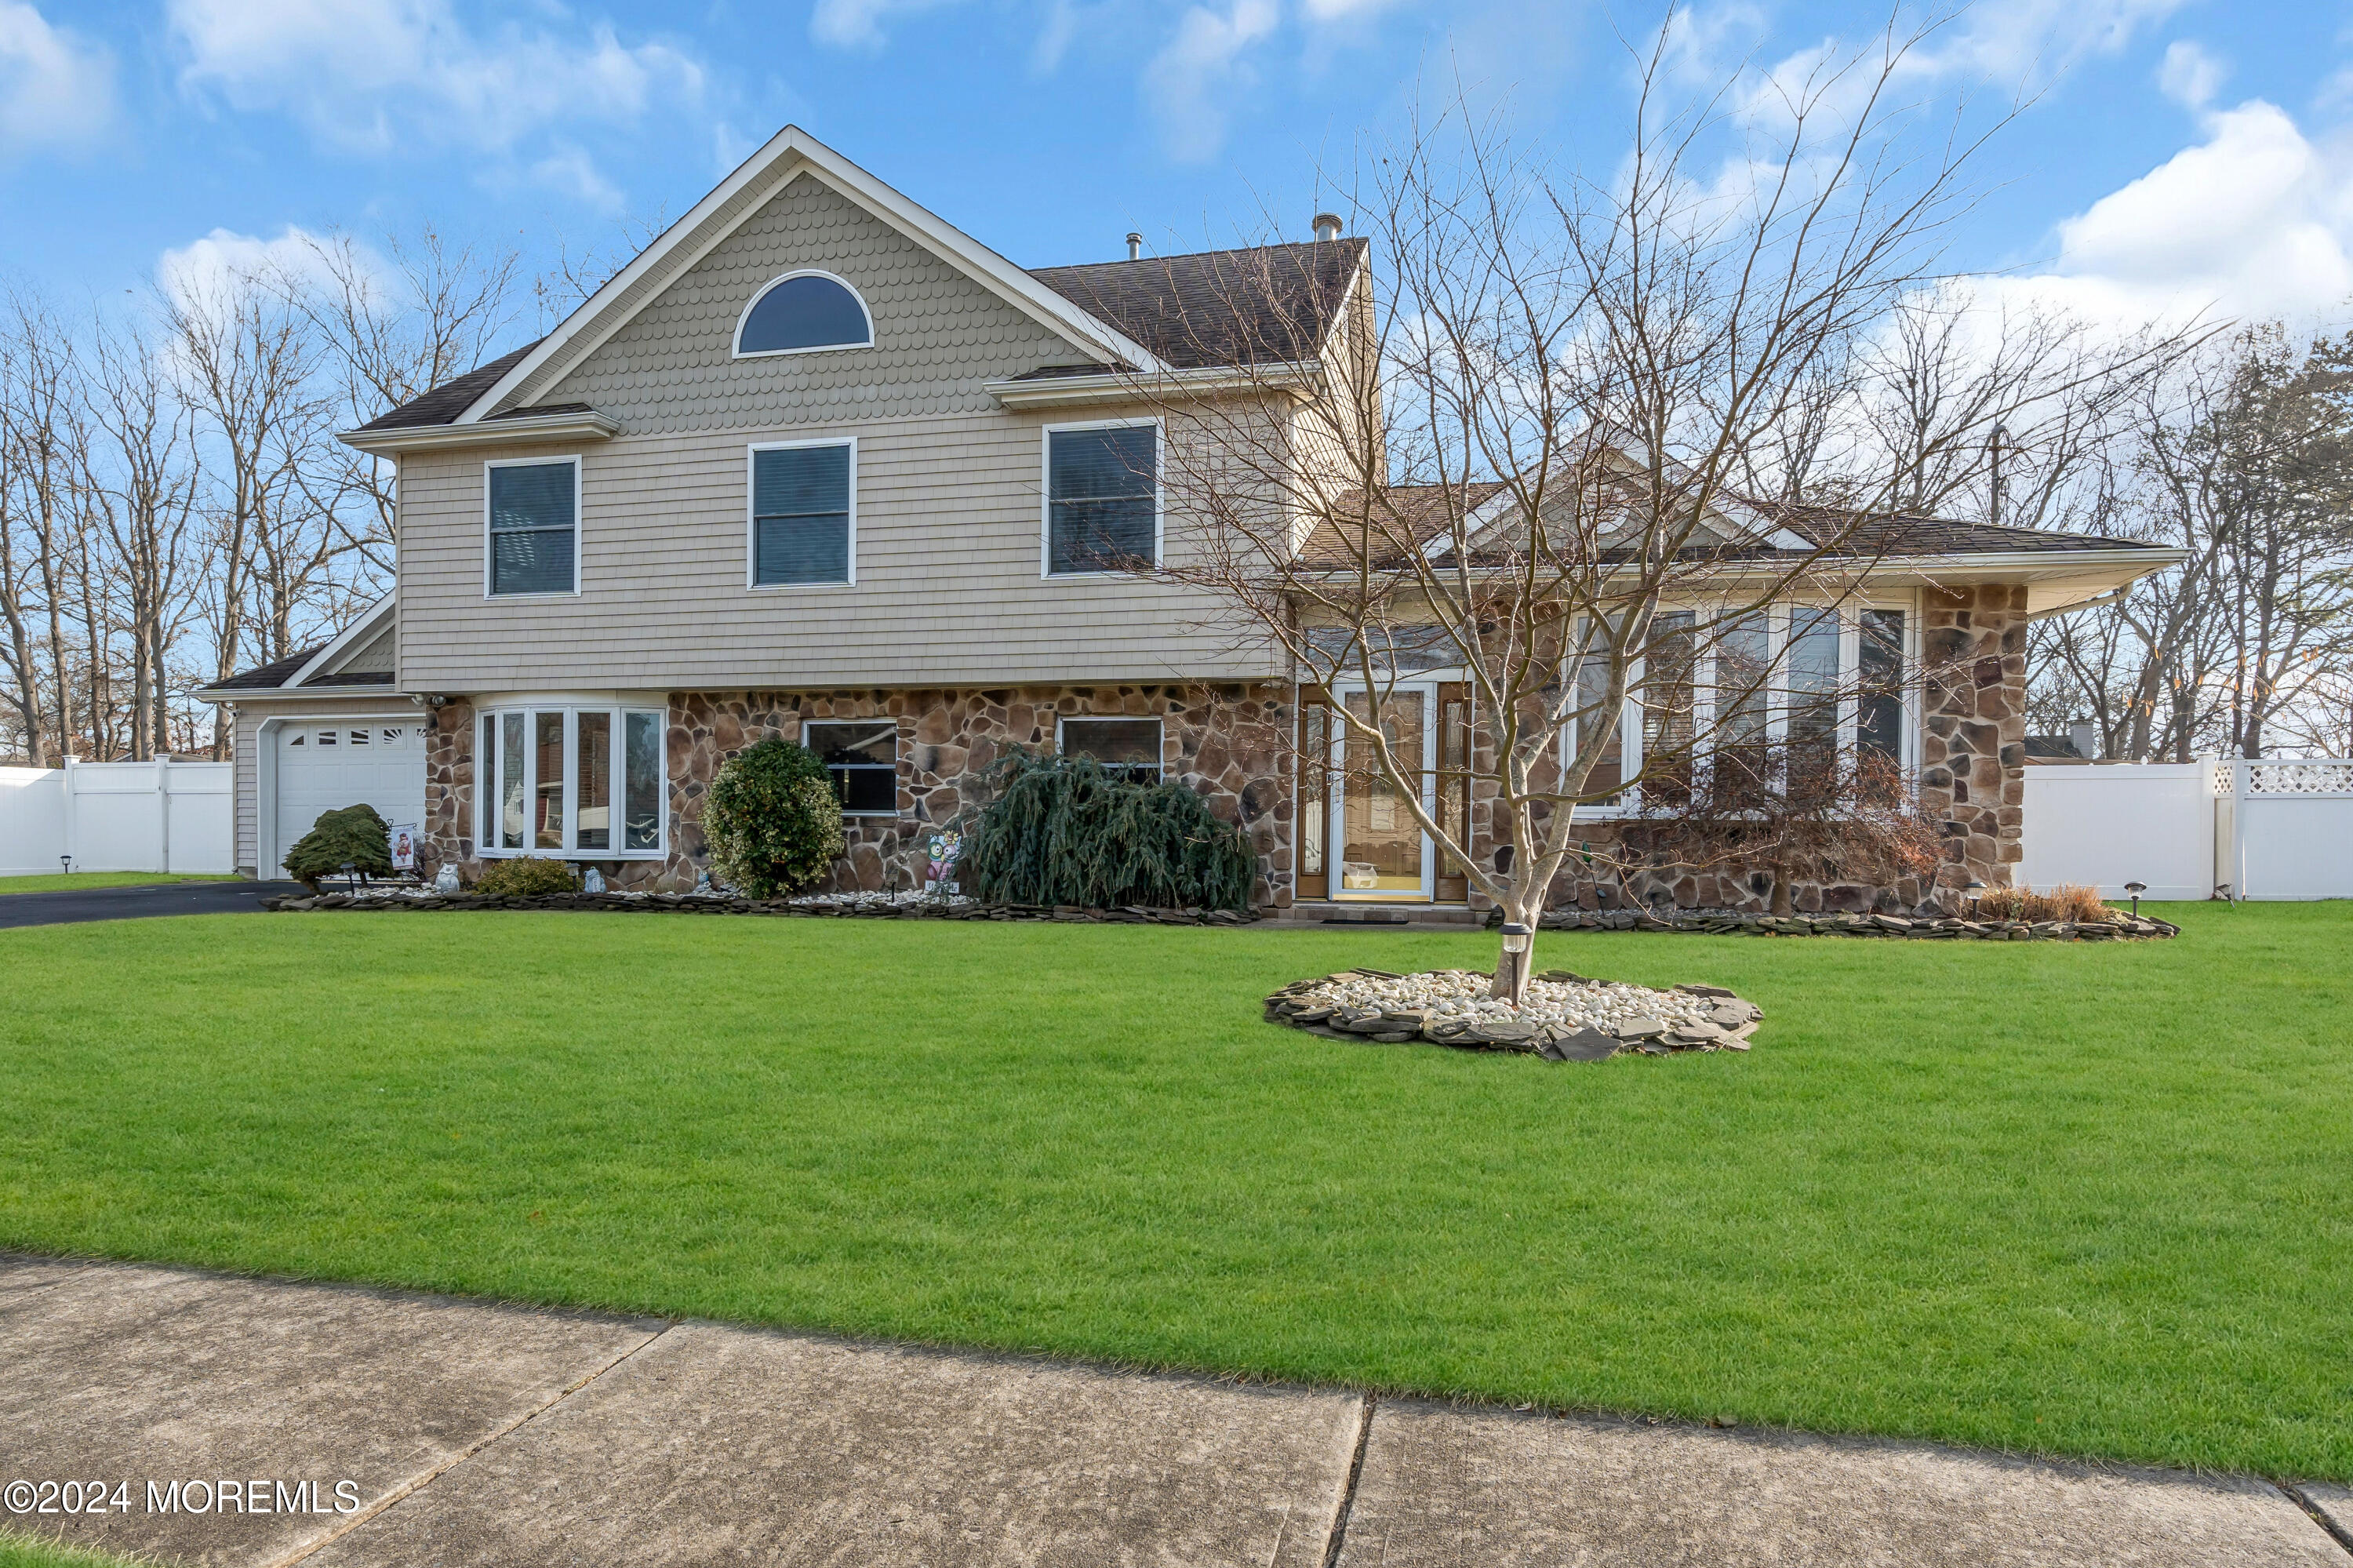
818, 464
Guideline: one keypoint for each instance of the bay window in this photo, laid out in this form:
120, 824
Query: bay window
1811, 682
551, 776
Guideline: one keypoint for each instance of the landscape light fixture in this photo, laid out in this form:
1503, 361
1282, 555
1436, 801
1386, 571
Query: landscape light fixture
2135, 889
352, 874
1515, 957
1976, 891
66, 861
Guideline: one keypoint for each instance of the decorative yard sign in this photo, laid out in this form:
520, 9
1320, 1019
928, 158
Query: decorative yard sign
939, 876
404, 846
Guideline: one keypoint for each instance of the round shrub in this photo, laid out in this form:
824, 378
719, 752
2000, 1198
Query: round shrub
529, 877
352, 835
773, 820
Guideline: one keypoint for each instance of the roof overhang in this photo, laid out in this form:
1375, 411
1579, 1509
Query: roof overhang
2054, 580
1294, 379
580, 426
299, 693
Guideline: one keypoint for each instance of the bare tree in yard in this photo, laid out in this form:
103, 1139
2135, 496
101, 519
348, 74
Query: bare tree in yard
1540, 468
40, 433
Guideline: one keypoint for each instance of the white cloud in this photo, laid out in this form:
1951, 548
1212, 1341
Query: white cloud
572, 172
2254, 222
2190, 76
858, 24
206, 269
56, 89
1192, 83
368, 74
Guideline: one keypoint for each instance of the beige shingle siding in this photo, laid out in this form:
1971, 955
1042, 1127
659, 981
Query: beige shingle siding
375, 657
938, 335
948, 591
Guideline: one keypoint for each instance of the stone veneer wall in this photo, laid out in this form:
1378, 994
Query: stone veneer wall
1227, 742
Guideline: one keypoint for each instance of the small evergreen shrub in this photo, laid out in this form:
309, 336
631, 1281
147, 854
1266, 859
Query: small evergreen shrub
529, 877
352, 834
1062, 829
773, 820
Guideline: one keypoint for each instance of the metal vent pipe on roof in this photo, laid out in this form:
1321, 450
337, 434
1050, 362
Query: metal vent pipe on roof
1327, 226
1135, 247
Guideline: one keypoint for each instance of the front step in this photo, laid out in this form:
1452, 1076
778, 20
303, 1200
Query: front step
1320, 912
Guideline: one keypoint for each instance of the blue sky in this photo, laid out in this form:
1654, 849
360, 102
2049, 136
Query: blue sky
2177, 150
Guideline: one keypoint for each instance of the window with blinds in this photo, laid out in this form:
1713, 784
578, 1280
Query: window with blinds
802, 511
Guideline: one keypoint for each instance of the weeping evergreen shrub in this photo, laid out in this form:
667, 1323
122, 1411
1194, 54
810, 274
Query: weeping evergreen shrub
1062, 829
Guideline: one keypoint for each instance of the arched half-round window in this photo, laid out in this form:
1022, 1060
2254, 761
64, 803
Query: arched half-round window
804, 311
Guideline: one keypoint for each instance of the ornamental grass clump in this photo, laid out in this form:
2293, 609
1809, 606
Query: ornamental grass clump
529, 876
351, 835
1064, 830
773, 820
2068, 901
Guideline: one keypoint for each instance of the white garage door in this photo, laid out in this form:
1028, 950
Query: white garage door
325, 766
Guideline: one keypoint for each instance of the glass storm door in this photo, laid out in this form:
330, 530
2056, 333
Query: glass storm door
1382, 853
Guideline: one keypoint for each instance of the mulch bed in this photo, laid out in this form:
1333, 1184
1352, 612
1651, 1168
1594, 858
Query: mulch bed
719, 903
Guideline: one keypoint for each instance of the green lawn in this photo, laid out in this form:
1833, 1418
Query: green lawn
18, 1550
57, 882
2068, 1198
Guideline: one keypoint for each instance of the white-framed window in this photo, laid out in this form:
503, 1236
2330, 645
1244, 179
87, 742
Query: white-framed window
578, 781
1102, 485
804, 312
531, 527
1127, 747
1788, 675
801, 499
861, 755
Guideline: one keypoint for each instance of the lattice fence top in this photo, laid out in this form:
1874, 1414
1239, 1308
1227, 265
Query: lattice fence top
2331, 777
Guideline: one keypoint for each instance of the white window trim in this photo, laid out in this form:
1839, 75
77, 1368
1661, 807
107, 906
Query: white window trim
752, 520
1046, 572
577, 522
1158, 721
1777, 712
807, 725
486, 781
735, 343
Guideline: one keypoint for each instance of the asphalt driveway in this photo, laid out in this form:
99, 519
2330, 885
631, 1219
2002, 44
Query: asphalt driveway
138, 903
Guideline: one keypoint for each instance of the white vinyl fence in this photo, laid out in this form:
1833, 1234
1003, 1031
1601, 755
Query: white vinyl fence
2263, 829
119, 816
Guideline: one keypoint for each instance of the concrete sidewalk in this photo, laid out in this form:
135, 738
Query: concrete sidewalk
334, 1426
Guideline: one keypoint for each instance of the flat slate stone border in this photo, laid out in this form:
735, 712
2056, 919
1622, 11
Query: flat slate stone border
1729, 1022
720, 903
1947, 928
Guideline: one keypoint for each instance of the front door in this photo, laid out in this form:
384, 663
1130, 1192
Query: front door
1383, 854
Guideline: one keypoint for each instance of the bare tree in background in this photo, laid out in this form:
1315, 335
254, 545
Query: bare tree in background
245, 364
143, 488
2242, 456
1535, 468
384, 331
39, 435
